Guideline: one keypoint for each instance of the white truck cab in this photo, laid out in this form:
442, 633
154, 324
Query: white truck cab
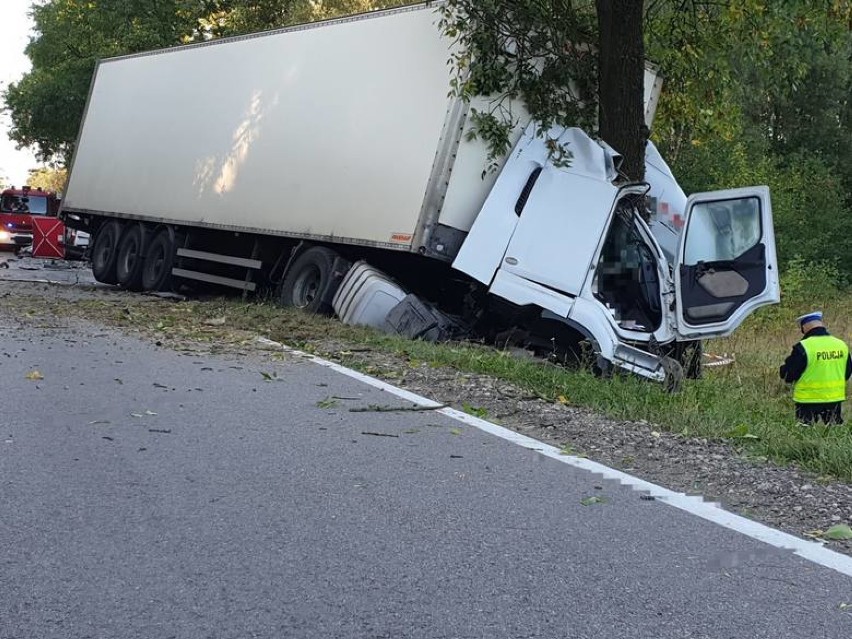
570, 241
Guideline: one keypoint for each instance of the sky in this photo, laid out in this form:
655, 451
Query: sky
14, 164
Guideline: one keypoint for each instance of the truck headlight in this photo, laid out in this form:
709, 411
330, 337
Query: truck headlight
5, 236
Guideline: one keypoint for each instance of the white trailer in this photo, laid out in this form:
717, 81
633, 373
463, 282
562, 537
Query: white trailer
278, 159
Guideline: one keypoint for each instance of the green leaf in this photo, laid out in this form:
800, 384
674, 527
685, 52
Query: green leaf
328, 402
476, 411
590, 501
742, 432
839, 532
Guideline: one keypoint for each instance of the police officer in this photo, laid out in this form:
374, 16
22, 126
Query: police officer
818, 368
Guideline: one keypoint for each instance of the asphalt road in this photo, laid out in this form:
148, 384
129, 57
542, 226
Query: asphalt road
154, 494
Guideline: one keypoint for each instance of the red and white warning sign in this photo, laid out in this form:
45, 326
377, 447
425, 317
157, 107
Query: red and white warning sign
48, 238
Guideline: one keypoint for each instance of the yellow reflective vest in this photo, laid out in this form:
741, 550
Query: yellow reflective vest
824, 379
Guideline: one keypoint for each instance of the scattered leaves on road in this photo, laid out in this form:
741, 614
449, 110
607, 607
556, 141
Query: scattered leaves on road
590, 501
34, 376
376, 408
476, 411
839, 532
328, 402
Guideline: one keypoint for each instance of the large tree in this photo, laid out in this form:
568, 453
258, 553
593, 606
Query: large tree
571, 63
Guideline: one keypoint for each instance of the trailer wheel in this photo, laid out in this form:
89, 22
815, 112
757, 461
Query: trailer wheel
159, 258
307, 283
131, 257
105, 252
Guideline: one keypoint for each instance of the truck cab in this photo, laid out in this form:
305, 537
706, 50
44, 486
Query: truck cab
571, 241
17, 208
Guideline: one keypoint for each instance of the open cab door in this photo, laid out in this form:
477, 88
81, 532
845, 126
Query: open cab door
726, 263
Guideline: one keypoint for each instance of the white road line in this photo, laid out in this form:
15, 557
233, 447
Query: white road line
695, 505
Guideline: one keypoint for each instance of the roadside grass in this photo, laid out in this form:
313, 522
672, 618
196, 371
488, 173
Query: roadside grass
744, 402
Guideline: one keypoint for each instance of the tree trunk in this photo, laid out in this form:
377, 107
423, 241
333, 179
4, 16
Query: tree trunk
621, 81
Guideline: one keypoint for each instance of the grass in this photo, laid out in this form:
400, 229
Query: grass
744, 402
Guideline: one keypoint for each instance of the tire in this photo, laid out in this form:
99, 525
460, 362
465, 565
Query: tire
131, 257
673, 380
690, 356
105, 252
159, 259
309, 280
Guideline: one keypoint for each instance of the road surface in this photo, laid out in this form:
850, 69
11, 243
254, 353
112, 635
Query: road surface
151, 493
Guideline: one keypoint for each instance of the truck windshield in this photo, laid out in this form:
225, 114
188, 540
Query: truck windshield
32, 205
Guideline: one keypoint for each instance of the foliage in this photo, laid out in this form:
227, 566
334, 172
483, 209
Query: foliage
515, 53
771, 106
48, 179
220, 18
806, 284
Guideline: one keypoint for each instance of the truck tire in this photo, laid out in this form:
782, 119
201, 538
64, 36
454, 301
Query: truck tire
159, 259
690, 355
105, 252
308, 280
673, 380
131, 257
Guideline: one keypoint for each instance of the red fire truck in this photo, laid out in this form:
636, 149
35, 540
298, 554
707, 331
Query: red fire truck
18, 206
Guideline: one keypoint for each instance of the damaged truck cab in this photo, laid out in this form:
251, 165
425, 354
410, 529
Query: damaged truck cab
569, 241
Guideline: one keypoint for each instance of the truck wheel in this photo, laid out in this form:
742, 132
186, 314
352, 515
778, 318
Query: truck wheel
131, 257
673, 381
104, 252
159, 259
690, 356
307, 282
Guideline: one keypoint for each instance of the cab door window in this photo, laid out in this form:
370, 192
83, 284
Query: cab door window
723, 258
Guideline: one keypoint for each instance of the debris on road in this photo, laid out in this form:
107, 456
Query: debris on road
375, 408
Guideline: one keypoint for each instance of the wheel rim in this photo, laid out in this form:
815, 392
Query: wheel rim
158, 261
154, 265
131, 255
307, 287
103, 255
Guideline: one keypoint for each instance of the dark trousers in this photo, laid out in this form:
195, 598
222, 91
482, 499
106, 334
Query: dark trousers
828, 413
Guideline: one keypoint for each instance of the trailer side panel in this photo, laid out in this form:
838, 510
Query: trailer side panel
327, 132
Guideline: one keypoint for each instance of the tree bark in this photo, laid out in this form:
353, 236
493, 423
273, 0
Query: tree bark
621, 80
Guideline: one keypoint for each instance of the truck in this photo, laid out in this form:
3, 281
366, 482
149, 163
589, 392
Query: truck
18, 206
275, 161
